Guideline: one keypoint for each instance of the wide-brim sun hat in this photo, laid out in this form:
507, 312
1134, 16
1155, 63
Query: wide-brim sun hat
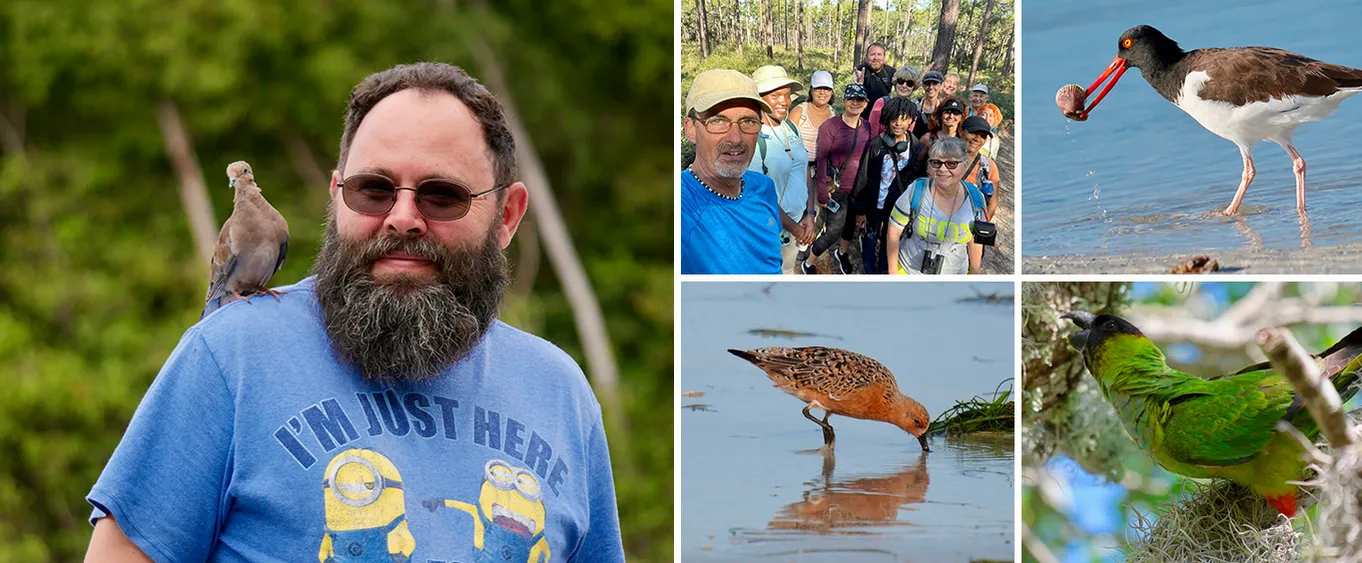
713, 87
771, 78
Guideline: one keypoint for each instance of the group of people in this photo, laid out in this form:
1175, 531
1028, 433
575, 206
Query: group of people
775, 185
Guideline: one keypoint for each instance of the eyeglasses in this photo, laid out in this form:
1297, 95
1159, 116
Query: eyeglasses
905, 82
952, 112
436, 199
949, 164
721, 125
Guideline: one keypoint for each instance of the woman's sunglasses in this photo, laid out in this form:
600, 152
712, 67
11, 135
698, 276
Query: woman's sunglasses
949, 164
436, 199
905, 82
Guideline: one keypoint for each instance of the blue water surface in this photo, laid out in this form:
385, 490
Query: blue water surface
1142, 175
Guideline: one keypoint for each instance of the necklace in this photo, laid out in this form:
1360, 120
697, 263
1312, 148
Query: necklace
691, 169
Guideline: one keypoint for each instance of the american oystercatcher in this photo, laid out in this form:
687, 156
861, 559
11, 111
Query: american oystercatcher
1245, 94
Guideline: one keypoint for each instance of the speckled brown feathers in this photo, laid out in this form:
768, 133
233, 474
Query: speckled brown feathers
840, 382
831, 371
1258, 74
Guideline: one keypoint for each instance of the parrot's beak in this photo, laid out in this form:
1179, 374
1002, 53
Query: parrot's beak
1083, 320
923, 440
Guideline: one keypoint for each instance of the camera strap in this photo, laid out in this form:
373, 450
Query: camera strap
971, 166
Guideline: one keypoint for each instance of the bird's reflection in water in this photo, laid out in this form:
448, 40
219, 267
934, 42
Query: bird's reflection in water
831, 506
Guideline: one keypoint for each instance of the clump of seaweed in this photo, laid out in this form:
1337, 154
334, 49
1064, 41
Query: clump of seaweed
979, 414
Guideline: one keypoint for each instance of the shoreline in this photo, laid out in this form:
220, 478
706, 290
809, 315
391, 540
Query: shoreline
1336, 259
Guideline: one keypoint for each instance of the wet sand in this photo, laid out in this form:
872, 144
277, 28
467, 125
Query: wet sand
1334, 259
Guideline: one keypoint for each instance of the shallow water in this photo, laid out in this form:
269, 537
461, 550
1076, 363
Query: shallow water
755, 486
1141, 174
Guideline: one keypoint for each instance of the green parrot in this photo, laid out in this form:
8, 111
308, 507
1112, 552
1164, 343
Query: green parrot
1220, 427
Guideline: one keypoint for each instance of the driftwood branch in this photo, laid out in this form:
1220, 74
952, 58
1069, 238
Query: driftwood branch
193, 194
1325, 406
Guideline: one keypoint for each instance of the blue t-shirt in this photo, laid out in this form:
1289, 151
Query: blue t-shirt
723, 236
256, 443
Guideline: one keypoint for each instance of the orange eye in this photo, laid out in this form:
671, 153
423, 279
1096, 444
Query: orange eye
1127, 42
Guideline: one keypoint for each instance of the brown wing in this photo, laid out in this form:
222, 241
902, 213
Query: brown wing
832, 371
224, 260
1258, 74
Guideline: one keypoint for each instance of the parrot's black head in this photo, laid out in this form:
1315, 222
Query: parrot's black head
1097, 329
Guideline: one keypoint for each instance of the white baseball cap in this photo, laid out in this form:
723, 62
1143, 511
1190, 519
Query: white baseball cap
821, 79
979, 88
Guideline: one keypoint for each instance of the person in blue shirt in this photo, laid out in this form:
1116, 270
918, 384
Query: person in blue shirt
330, 425
730, 217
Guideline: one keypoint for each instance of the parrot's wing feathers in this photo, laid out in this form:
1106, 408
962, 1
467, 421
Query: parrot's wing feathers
1227, 422
1343, 353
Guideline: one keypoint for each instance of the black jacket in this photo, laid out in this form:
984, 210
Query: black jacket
867, 188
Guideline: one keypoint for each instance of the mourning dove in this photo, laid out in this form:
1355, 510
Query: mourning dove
251, 246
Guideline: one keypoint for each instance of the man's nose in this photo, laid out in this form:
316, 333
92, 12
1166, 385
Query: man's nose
404, 219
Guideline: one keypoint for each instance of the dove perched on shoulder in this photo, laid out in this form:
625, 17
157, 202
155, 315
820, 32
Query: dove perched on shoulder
251, 246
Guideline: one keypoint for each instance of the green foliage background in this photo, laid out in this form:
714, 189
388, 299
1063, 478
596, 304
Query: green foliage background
100, 275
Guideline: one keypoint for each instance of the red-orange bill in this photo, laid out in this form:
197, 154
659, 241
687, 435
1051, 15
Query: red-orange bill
1117, 66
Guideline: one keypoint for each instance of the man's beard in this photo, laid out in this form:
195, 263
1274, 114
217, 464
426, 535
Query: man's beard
404, 327
733, 171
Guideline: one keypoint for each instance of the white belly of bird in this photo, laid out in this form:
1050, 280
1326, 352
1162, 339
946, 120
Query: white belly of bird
1245, 125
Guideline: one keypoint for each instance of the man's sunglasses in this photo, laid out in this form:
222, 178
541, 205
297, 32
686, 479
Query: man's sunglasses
436, 199
905, 82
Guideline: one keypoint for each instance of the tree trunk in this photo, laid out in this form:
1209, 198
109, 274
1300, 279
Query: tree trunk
862, 31
799, 34
740, 30
770, 31
1007, 59
836, 29
193, 193
907, 8
702, 22
945, 35
1062, 406
979, 45
785, 23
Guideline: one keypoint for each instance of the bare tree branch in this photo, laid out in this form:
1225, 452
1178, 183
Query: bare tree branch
193, 194
1325, 406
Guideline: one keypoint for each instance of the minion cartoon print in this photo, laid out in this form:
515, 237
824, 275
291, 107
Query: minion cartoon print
508, 519
366, 515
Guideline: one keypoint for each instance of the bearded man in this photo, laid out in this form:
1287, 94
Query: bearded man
379, 411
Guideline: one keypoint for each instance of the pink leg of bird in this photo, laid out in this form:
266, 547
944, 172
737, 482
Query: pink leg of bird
1297, 166
1245, 151
240, 297
271, 292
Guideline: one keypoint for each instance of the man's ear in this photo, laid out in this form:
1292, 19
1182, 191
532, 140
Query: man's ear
513, 209
689, 124
335, 180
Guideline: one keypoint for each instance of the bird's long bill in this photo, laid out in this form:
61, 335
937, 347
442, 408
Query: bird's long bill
1117, 66
923, 440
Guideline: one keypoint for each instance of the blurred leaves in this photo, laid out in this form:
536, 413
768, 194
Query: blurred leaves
100, 276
